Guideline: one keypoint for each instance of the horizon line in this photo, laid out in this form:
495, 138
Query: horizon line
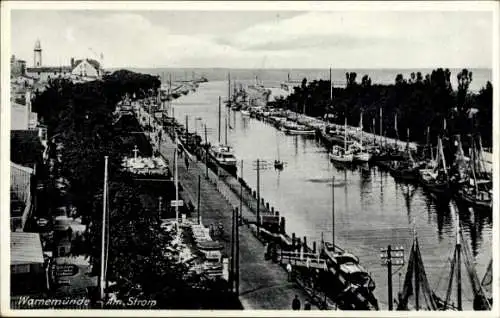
300, 68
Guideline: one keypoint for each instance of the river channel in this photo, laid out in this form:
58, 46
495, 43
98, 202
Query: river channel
371, 209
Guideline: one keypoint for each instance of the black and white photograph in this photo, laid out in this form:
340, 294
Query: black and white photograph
249, 156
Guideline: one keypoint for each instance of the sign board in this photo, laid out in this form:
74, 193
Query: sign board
271, 219
177, 203
66, 270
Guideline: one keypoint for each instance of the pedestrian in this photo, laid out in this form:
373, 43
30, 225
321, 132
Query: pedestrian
289, 271
307, 305
296, 303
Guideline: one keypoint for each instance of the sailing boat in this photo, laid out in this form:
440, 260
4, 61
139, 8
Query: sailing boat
405, 169
416, 279
342, 155
436, 179
361, 154
474, 190
223, 154
416, 284
278, 164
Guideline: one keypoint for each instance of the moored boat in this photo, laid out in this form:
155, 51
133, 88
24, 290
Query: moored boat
223, 156
339, 154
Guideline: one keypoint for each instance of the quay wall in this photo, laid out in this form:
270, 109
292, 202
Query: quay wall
230, 188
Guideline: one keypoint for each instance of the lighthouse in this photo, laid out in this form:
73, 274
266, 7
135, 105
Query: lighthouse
37, 59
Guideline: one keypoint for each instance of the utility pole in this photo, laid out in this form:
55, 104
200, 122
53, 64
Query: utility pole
187, 130
391, 257
199, 197
219, 119
241, 189
333, 213
258, 197
231, 272
237, 260
176, 183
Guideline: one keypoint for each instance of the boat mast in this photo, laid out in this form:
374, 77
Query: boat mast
219, 119
441, 154
225, 131
103, 244
361, 128
428, 138
229, 89
396, 128
331, 86
380, 131
473, 163
345, 135
278, 146
459, 274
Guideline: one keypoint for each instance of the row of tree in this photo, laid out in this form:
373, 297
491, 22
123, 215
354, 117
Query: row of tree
79, 119
418, 102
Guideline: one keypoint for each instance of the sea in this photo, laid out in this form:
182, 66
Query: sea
273, 77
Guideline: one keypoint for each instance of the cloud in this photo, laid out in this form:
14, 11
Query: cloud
311, 39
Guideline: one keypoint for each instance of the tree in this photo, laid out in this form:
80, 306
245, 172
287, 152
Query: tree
464, 78
366, 81
399, 79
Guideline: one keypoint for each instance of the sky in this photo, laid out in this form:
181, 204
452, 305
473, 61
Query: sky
257, 39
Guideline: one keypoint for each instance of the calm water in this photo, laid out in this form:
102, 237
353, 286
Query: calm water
371, 209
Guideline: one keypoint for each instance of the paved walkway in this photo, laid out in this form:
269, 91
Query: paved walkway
263, 284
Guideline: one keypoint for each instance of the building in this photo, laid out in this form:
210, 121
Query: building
84, 68
28, 275
21, 198
17, 67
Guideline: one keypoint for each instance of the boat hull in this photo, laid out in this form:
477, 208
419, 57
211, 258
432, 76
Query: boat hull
362, 157
475, 201
404, 174
345, 159
299, 132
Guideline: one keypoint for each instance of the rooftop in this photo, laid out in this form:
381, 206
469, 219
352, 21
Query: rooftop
46, 69
25, 248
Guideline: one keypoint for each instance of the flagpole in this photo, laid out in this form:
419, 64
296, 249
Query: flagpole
176, 182
104, 207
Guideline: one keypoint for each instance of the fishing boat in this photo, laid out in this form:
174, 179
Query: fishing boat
278, 164
347, 269
406, 169
224, 156
245, 113
339, 154
417, 286
361, 155
476, 189
435, 179
297, 129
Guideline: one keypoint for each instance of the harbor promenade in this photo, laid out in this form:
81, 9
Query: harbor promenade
263, 284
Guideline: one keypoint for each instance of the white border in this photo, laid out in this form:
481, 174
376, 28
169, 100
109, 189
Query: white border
491, 6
